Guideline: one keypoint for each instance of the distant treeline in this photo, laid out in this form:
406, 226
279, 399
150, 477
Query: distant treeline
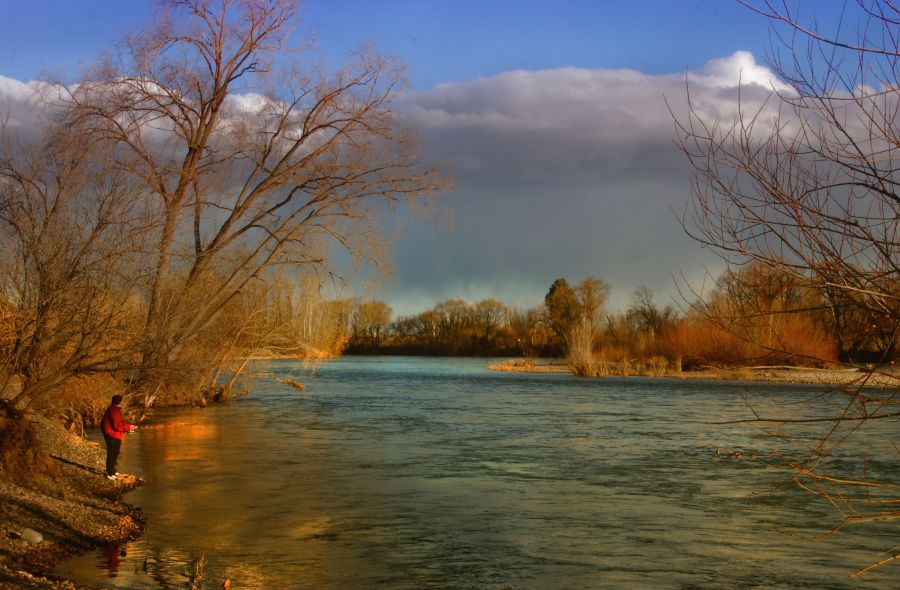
754, 315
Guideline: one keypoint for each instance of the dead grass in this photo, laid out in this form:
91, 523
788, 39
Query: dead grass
529, 366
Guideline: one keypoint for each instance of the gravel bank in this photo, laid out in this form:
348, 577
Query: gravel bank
779, 374
824, 376
66, 498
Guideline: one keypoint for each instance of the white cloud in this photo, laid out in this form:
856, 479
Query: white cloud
739, 67
248, 102
583, 103
19, 102
13, 90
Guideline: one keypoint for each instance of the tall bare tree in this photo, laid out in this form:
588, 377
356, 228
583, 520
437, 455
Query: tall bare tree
528, 328
370, 321
806, 182
489, 316
70, 242
251, 160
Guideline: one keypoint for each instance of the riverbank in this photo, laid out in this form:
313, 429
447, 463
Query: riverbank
56, 502
781, 374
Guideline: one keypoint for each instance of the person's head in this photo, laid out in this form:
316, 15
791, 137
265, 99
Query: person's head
116, 400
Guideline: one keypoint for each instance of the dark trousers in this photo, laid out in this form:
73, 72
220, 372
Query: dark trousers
113, 446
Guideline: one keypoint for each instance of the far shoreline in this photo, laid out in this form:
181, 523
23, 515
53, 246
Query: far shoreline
765, 373
775, 374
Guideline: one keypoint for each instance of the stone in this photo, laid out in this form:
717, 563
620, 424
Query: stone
32, 536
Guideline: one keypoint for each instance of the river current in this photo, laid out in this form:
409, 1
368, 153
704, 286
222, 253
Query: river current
416, 473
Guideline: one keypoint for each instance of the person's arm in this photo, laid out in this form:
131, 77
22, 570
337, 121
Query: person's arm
118, 423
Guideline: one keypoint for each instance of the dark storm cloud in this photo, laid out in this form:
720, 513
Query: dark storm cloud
566, 172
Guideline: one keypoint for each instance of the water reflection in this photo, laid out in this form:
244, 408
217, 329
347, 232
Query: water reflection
417, 473
179, 440
114, 555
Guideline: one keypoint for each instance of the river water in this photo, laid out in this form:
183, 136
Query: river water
417, 473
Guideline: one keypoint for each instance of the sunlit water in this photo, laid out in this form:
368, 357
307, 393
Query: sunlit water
437, 473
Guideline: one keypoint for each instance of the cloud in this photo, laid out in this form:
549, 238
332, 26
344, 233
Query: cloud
20, 104
247, 102
563, 172
739, 67
12, 91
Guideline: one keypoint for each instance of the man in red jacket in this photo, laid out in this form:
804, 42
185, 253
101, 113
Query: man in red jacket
114, 427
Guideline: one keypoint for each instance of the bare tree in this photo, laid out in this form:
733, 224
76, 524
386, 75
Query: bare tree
591, 295
645, 316
70, 243
489, 316
456, 319
370, 322
251, 161
806, 182
528, 328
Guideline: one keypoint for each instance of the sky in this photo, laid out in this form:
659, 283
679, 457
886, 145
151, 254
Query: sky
550, 116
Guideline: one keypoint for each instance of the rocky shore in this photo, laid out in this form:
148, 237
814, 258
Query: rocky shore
57, 502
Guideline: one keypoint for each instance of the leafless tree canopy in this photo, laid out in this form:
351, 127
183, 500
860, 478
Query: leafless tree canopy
806, 183
236, 156
251, 167
70, 237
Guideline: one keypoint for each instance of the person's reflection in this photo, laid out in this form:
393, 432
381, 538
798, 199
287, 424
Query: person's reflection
114, 557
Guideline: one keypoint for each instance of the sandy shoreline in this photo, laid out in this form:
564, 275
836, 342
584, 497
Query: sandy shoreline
68, 501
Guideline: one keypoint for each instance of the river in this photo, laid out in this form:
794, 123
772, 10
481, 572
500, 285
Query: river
415, 473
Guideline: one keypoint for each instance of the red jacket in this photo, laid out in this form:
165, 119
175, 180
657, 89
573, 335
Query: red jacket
113, 424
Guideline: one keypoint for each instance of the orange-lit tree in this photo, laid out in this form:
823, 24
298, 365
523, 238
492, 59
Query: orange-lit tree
70, 242
250, 160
